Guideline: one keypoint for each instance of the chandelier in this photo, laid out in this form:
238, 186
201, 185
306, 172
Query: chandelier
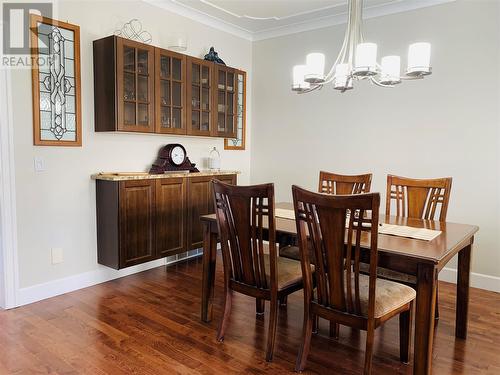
357, 60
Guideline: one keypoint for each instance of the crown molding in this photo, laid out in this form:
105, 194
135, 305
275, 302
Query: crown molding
391, 7
202, 17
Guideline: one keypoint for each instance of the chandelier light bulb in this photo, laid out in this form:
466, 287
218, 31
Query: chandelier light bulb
391, 70
299, 71
419, 59
315, 63
342, 80
366, 59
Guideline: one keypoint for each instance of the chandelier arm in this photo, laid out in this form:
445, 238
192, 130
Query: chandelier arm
379, 84
306, 91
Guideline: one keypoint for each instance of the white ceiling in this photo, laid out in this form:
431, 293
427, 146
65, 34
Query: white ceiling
262, 19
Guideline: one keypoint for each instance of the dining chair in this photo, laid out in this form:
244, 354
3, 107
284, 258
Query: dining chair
251, 265
332, 183
343, 294
418, 199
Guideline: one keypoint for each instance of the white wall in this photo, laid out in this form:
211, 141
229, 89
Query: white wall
446, 125
56, 208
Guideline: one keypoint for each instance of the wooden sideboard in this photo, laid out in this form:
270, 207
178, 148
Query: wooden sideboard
141, 88
142, 218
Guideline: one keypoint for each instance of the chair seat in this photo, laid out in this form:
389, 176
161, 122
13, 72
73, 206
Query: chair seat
289, 272
386, 273
293, 252
389, 295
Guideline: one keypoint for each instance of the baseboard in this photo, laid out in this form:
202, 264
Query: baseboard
68, 284
477, 280
102, 274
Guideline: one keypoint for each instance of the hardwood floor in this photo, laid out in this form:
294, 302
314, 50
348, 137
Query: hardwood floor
149, 323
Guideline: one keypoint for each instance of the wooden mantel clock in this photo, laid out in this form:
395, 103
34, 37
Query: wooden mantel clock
172, 158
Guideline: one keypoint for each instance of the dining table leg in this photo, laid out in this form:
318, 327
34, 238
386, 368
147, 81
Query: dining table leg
208, 278
463, 279
424, 318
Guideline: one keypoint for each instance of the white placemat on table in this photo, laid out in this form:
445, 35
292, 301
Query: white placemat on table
390, 229
410, 232
284, 213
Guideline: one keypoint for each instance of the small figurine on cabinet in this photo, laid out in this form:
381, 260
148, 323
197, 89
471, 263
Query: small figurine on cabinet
214, 56
172, 158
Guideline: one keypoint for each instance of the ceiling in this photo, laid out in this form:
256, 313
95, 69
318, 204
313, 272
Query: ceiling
263, 19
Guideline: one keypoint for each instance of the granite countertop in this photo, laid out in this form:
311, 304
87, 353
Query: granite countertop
126, 176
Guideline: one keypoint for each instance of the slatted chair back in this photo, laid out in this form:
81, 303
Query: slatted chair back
331, 183
322, 220
242, 213
418, 198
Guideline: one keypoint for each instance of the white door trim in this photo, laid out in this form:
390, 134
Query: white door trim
9, 270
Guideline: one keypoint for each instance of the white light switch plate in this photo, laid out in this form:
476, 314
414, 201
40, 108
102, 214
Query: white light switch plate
39, 164
56, 255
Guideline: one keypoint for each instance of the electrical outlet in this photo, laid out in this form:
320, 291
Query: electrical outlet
39, 164
56, 255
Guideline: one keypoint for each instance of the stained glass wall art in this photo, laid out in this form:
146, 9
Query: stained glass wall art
55, 49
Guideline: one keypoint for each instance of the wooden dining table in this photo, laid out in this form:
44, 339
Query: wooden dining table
419, 258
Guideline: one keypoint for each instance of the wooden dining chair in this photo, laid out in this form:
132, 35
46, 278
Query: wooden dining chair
418, 199
343, 294
332, 183
251, 265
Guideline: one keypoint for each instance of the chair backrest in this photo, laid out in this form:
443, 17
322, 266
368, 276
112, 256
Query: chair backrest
418, 198
331, 183
322, 219
243, 214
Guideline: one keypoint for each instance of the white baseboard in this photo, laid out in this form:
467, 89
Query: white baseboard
68, 284
102, 274
477, 280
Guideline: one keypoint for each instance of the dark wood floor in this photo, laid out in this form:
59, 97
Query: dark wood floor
149, 323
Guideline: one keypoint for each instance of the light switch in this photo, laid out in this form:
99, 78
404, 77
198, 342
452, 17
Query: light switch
39, 163
56, 255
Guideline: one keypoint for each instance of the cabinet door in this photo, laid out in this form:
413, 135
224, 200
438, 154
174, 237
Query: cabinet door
199, 203
135, 86
170, 216
137, 217
238, 143
170, 86
225, 102
199, 95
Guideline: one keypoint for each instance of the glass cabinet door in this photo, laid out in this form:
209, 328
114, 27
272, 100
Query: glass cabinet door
135, 86
226, 102
170, 82
238, 143
199, 96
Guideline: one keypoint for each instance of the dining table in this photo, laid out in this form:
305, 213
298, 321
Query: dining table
421, 259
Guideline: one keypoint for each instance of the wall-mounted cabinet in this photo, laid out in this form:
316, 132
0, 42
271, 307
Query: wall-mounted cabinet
140, 88
139, 220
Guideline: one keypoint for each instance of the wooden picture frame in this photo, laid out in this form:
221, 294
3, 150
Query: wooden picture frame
229, 143
65, 125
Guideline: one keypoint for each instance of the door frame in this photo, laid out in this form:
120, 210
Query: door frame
9, 270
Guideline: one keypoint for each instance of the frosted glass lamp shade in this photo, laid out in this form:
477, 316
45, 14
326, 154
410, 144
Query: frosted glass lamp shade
365, 59
315, 63
299, 71
419, 59
343, 80
391, 70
